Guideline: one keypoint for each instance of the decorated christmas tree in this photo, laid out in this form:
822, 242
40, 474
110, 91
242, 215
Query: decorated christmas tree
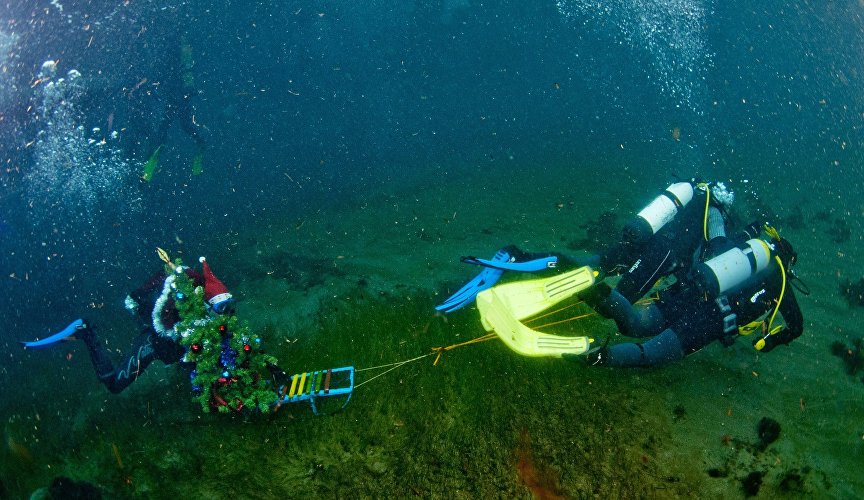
231, 371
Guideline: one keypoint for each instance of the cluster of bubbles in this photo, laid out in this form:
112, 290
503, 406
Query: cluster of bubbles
670, 31
7, 44
74, 169
8, 134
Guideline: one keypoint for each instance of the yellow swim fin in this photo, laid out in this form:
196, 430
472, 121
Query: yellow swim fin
526, 298
150, 165
503, 306
198, 164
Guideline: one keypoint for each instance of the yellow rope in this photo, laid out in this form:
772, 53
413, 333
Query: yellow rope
489, 336
578, 316
782, 292
550, 313
393, 365
440, 350
400, 363
574, 318
705, 218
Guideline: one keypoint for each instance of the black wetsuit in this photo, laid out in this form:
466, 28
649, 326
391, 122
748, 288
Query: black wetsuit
683, 321
177, 93
147, 347
672, 249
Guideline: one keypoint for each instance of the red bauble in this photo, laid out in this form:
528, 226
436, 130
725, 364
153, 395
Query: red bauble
196, 348
247, 347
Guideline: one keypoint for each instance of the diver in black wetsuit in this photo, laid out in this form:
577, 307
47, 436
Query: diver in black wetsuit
738, 292
178, 88
666, 238
157, 340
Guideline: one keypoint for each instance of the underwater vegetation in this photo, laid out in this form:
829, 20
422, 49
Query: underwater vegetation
794, 219
757, 466
768, 430
64, 487
852, 356
482, 423
298, 272
837, 228
543, 483
853, 292
752, 483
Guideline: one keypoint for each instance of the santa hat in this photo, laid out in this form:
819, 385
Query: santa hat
214, 290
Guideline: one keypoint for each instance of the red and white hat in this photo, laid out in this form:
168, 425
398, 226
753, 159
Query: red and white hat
214, 290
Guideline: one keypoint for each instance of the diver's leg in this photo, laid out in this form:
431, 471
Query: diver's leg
184, 115
99, 356
633, 321
662, 349
131, 366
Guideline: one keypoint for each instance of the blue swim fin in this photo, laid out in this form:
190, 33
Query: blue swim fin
487, 277
60, 336
527, 266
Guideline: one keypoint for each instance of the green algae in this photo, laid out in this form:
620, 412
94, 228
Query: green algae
462, 428
447, 430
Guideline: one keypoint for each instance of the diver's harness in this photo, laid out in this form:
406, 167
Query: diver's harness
741, 265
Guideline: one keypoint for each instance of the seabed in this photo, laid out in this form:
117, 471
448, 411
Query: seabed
355, 283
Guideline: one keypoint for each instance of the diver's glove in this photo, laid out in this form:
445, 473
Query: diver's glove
505, 259
598, 356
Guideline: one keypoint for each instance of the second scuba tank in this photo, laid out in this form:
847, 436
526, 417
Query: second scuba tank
659, 212
733, 267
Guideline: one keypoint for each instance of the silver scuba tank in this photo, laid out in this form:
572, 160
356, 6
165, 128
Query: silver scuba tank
727, 271
659, 212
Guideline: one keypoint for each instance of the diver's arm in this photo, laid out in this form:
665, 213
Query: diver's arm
718, 242
153, 283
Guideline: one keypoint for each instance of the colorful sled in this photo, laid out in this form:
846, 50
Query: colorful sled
310, 386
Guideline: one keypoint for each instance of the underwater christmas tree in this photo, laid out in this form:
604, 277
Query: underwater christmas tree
231, 370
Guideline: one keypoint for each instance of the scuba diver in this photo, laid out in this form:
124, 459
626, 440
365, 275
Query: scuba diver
158, 338
189, 318
720, 283
738, 292
677, 229
176, 90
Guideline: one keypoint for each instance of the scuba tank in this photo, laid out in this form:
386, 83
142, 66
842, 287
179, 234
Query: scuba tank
659, 212
733, 267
